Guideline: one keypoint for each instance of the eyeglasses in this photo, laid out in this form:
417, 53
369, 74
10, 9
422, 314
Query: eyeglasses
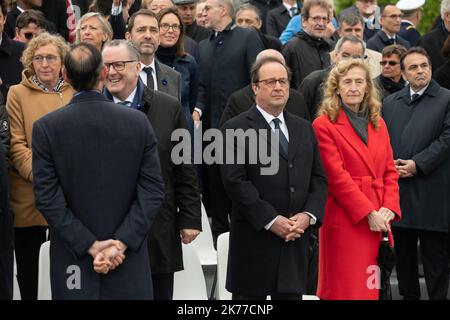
50, 59
319, 19
166, 27
118, 65
271, 83
394, 16
391, 63
29, 35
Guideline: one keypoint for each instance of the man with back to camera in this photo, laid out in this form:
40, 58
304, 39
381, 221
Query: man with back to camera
98, 183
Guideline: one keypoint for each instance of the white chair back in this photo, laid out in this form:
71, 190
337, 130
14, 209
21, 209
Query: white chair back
44, 288
222, 262
204, 243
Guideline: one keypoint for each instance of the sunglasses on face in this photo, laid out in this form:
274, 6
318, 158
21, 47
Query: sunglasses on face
391, 63
28, 35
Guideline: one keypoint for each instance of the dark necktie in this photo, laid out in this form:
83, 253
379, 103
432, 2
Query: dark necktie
125, 103
149, 72
293, 11
283, 141
414, 97
391, 41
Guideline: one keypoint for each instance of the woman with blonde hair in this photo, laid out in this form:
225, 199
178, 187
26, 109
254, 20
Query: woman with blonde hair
41, 91
363, 195
93, 28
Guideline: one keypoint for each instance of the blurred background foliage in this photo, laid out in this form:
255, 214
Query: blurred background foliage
430, 11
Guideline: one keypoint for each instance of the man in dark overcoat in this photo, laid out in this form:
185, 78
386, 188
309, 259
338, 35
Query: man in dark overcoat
179, 218
97, 181
272, 212
418, 120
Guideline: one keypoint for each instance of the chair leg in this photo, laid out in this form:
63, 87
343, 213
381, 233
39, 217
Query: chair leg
213, 288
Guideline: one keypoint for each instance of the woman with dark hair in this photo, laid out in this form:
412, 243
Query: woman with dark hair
363, 193
171, 52
442, 73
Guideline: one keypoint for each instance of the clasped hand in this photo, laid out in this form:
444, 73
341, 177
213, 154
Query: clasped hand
107, 254
291, 228
380, 221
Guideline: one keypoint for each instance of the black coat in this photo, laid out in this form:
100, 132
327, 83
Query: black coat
224, 65
264, 6
181, 206
97, 180
270, 42
432, 42
312, 89
10, 63
6, 232
387, 86
277, 20
56, 12
244, 99
305, 54
442, 75
381, 40
420, 131
259, 262
198, 33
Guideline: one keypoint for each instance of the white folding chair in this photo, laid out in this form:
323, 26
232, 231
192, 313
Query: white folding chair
16, 289
190, 284
204, 243
44, 288
222, 262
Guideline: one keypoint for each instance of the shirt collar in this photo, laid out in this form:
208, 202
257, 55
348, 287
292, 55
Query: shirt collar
268, 117
288, 6
130, 98
153, 65
20, 9
420, 92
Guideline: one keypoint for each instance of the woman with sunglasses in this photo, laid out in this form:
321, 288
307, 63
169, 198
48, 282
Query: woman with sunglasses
390, 80
41, 91
171, 52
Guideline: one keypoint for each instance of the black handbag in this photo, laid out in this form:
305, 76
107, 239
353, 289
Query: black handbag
386, 263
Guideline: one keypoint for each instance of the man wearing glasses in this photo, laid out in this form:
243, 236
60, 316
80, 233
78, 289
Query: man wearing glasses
308, 50
391, 79
272, 215
179, 217
390, 20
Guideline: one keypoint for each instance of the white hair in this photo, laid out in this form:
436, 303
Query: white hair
445, 7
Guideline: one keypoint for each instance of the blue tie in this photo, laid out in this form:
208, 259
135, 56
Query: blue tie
283, 141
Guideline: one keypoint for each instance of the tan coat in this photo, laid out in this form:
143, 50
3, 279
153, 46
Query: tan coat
26, 104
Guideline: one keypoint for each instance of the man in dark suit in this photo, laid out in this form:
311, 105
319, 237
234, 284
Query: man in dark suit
10, 55
412, 14
418, 120
244, 99
179, 218
278, 18
390, 27
225, 59
97, 181
272, 212
143, 31
187, 10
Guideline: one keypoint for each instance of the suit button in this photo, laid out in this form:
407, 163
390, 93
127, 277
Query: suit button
291, 165
292, 189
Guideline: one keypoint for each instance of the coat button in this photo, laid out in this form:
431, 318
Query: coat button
292, 189
291, 165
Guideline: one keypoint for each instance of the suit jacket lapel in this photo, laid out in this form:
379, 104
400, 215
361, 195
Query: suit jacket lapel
344, 127
295, 135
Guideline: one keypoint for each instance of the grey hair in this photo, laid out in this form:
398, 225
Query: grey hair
351, 39
445, 7
228, 4
133, 52
106, 27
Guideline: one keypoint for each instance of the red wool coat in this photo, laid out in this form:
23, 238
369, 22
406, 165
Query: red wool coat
361, 178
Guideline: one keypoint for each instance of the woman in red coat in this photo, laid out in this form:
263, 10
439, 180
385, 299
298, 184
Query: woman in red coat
363, 192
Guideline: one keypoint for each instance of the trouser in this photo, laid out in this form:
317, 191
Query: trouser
433, 248
162, 286
28, 242
6, 255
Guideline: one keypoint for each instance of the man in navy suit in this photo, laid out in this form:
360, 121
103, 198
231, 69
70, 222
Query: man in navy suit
98, 183
272, 213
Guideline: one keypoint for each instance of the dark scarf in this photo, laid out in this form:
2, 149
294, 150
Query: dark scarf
391, 86
166, 55
359, 121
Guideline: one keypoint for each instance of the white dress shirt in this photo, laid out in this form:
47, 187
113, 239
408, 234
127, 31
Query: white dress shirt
143, 74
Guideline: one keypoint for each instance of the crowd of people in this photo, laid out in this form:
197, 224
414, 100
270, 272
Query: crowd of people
352, 110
